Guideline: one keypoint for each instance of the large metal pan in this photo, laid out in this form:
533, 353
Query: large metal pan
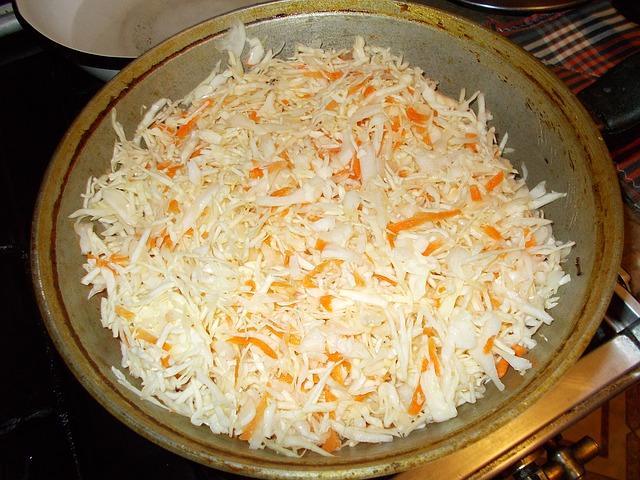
547, 126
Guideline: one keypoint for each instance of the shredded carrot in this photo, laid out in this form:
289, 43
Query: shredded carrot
429, 331
333, 75
285, 377
495, 181
519, 350
325, 301
254, 341
307, 281
502, 366
251, 426
332, 105
355, 88
362, 397
186, 128
334, 357
471, 136
473, 147
336, 374
165, 361
320, 244
284, 101
382, 278
332, 443
166, 241
531, 242
313, 74
305, 95
476, 196
251, 284
356, 174
142, 334
369, 91
492, 232
282, 192
432, 247
253, 115
416, 401
495, 303
488, 346
416, 116
124, 313
174, 206
358, 279
433, 356
195, 153
391, 238
256, 173
328, 395
420, 218
395, 124
425, 365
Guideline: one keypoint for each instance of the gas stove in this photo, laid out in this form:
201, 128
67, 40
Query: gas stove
49, 425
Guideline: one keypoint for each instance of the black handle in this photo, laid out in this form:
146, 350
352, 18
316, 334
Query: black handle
614, 99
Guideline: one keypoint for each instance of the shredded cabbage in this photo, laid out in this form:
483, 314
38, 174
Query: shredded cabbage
316, 252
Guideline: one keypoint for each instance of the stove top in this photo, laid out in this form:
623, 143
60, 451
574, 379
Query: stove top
50, 427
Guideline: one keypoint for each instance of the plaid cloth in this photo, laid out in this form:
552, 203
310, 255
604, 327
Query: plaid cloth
579, 46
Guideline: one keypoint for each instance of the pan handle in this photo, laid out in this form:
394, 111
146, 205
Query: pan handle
612, 100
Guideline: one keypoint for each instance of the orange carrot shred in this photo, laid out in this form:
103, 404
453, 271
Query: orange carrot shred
519, 350
432, 247
369, 91
313, 74
495, 181
165, 361
421, 218
395, 124
124, 313
332, 443
251, 426
429, 331
174, 206
383, 278
186, 128
488, 346
425, 365
531, 242
285, 377
502, 366
256, 173
325, 301
328, 395
281, 192
362, 397
254, 341
251, 284
334, 75
416, 401
320, 244
356, 174
476, 196
358, 279
416, 116
492, 232
334, 357
253, 115
332, 105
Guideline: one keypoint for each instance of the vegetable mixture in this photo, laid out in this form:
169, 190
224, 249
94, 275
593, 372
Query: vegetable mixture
314, 252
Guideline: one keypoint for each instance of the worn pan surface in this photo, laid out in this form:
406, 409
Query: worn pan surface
548, 128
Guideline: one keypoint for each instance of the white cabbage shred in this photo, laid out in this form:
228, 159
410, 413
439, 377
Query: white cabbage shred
316, 252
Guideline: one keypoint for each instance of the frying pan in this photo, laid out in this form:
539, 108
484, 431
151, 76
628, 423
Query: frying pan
104, 36
547, 126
